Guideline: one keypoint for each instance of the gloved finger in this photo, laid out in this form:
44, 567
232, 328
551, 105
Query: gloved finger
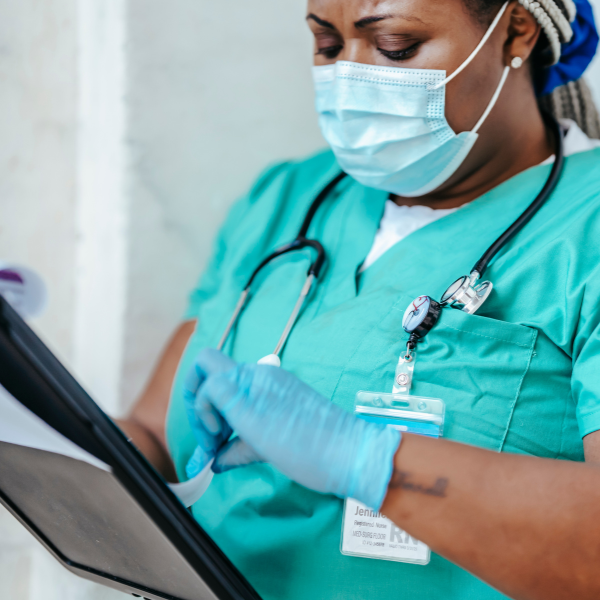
210, 362
206, 451
205, 421
208, 416
192, 382
197, 462
212, 443
201, 413
235, 453
221, 391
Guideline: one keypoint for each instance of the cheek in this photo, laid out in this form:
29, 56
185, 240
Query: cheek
468, 95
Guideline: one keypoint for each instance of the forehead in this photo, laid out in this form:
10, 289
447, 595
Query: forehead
426, 11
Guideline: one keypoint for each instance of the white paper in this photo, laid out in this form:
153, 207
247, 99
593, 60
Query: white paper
19, 426
191, 491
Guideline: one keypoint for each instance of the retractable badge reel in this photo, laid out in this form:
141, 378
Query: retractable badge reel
422, 314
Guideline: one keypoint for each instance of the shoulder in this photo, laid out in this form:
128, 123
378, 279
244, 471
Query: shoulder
294, 176
277, 189
576, 199
575, 205
581, 175
570, 228
274, 207
280, 197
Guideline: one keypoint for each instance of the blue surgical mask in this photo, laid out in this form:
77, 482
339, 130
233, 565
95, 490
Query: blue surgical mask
387, 126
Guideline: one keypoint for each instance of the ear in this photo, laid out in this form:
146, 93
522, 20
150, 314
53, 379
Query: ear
523, 34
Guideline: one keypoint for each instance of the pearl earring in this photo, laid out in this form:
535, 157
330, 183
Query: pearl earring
516, 62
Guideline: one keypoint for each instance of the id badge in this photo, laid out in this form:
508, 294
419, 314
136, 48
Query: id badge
366, 533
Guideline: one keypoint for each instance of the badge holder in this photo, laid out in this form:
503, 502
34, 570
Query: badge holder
365, 532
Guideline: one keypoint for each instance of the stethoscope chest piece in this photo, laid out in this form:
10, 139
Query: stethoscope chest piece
271, 359
464, 295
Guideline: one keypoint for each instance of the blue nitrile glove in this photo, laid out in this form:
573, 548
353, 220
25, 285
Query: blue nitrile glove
208, 426
281, 420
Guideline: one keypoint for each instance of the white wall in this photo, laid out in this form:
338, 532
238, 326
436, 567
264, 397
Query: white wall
215, 94
127, 128
102, 203
38, 206
38, 135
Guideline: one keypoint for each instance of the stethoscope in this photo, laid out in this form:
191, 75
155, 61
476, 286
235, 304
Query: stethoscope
300, 243
465, 294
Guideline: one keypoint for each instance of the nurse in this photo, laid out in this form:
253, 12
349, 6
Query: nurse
509, 499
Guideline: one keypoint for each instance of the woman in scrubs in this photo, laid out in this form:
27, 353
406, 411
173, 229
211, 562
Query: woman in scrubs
509, 501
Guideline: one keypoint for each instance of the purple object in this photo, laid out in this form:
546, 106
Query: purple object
9, 275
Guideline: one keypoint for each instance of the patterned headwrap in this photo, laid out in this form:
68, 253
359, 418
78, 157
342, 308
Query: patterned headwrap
573, 39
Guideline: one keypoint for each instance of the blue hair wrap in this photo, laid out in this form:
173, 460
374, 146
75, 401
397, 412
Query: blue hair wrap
576, 55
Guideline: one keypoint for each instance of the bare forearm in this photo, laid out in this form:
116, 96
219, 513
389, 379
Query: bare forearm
150, 447
529, 527
145, 426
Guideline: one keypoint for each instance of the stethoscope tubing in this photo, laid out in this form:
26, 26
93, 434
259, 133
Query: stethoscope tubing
314, 207
549, 187
301, 242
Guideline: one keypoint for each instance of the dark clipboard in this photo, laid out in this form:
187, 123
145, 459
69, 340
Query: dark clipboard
122, 528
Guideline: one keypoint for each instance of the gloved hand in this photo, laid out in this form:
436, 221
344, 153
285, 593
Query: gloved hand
281, 420
208, 426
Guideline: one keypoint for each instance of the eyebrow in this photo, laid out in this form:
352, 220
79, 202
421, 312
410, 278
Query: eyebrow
320, 21
361, 23
370, 20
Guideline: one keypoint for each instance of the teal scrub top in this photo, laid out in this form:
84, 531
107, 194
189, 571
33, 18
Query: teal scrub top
521, 376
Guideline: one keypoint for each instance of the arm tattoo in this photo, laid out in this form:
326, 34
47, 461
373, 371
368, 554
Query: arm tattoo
401, 480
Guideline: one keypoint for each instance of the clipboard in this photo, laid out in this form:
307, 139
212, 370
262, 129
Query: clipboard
98, 506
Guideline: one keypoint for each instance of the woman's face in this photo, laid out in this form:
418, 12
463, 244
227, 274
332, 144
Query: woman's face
416, 34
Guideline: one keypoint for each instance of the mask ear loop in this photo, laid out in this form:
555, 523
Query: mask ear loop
493, 101
473, 54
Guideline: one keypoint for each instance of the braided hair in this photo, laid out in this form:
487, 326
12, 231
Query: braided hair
572, 100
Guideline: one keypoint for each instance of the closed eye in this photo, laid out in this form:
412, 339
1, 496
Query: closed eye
399, 55
330, 52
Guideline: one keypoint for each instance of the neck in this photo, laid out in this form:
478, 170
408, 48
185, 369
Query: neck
513, 139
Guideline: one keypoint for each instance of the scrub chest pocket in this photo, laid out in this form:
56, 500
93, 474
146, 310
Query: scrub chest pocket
476, 365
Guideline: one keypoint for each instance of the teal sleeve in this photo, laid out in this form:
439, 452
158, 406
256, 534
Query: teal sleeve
210, 280
585, 383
